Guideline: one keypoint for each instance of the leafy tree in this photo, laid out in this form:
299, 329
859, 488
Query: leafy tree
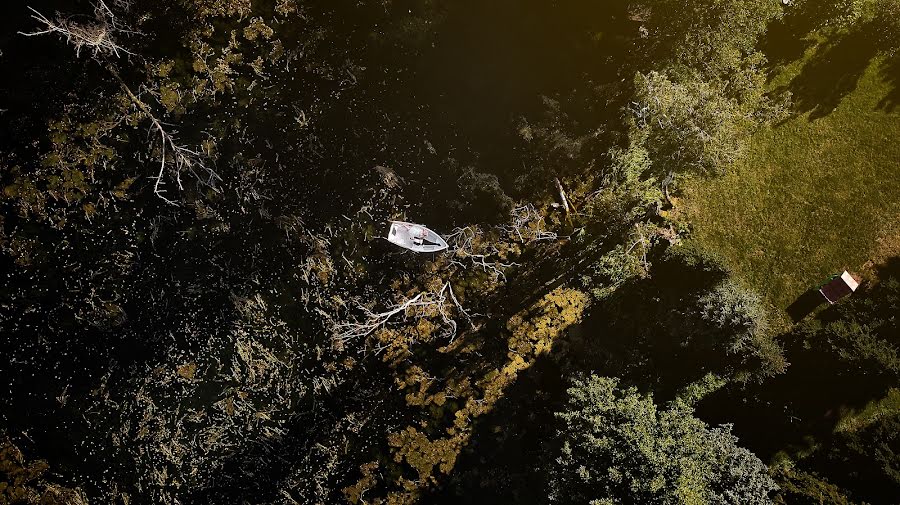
802, 488
873, 452
867, 327
617, 447
716, 37
735, 309
696, 110
687, 122
739, 318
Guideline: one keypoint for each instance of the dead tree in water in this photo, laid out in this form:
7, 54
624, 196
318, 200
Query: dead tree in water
528, 226
469, 245
440, 303
97, 35
172, 154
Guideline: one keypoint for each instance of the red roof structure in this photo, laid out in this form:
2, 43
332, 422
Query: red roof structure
839, 287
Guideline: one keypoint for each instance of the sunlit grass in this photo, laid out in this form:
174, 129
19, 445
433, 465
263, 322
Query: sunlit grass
811, 198
886, 407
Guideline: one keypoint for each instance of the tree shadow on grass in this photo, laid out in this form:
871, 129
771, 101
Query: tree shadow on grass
832, 73
512, 448
650, 333
890, 73
802, 404
788, 38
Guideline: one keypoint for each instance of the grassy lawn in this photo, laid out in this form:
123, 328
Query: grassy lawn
812, 197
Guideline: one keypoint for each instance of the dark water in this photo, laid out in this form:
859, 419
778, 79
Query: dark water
434, 91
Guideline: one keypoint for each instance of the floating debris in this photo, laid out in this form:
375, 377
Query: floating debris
389, 177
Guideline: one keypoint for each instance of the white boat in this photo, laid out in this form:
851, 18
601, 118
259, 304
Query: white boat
415, 237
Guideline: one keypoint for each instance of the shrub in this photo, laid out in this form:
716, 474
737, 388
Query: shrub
737, 311
741, 325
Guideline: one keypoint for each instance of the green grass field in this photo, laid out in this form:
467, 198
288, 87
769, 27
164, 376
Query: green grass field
813, 196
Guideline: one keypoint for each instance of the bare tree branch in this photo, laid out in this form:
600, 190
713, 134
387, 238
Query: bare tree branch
528, 226
442, 302
173, 155
96, 35
468, 245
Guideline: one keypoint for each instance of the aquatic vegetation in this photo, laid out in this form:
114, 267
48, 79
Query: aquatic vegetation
23, 481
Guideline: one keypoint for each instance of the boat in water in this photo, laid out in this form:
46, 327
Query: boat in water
415, 237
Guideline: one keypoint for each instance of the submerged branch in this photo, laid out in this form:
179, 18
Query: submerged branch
441, 303
96, 35
172, 154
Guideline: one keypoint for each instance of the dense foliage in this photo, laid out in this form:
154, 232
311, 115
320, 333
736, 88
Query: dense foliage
696, 111
25, 482
617, 447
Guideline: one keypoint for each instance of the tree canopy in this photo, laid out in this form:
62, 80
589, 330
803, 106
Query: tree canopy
618, 447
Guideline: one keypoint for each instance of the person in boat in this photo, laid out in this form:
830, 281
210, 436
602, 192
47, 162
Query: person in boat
418, 235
